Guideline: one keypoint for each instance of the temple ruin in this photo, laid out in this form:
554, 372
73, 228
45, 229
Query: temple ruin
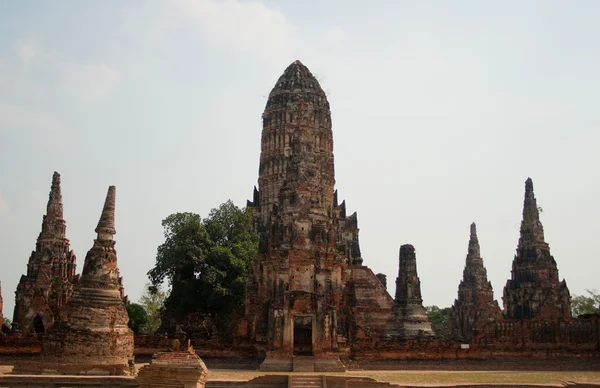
48, 283
534, 289
90, 336
308, 293
311, 304
475, 306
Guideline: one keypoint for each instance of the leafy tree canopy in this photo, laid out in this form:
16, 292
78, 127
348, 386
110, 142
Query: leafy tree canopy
438, 317
137, 316
206, 262
581, 304
152, 301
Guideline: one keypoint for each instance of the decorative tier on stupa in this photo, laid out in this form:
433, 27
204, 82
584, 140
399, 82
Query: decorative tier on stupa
409, 317
534, 289
48, 283
297, 289
91, 335
475, 306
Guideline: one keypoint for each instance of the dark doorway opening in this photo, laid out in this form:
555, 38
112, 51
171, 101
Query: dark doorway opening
38, 325
303, 336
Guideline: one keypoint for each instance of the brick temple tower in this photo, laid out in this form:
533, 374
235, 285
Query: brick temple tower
534, 289
409, 318
48, 283
298, 286
475, 306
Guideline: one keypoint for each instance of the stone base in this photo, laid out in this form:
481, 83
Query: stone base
329, 364
71, 368
277, 362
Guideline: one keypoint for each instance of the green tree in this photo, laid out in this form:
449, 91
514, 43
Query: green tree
137, 316
438, 318
206, 262
152, 300
581, 304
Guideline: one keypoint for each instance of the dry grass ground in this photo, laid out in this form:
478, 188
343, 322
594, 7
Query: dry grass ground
430, 378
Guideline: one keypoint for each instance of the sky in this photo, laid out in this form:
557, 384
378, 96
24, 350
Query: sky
441, 111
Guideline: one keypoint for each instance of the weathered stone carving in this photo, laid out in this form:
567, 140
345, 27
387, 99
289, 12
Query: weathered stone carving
48, 283
91, 334
534, 289
475, 306
409, 317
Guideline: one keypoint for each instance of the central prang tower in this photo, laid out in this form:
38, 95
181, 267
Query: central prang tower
297, 287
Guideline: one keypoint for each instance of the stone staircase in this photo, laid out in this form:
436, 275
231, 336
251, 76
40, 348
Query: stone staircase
304, 364
306, 381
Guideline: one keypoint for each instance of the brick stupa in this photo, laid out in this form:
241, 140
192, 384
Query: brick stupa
409, 317
91, 336
475, 306
48, 283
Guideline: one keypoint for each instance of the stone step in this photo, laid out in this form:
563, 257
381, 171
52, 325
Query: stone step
304, 364
305, 382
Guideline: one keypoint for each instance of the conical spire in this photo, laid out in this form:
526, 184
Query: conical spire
532, 231
474, 250
106, 225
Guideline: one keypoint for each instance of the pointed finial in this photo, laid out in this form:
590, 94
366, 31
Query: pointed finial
531, 213
473, 230
474, 250
106, 225
54, 207
528, 186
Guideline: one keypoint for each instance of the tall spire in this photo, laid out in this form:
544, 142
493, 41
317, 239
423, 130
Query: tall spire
106, 224
532, 231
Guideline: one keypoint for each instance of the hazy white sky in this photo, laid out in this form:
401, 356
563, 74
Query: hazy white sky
441, 110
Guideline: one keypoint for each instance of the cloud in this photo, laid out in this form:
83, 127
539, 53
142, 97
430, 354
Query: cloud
3, 204
87, 82
18, 117
243, 26
26, 50
90, 82
333, 36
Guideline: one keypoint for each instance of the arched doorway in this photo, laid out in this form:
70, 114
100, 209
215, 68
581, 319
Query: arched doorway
38, 325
